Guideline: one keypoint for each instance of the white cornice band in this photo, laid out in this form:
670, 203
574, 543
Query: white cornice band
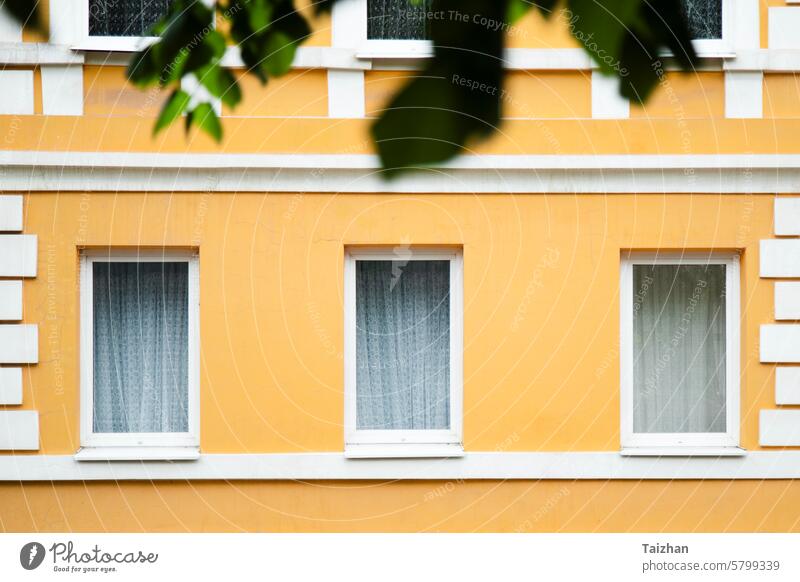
334, 466
497, 174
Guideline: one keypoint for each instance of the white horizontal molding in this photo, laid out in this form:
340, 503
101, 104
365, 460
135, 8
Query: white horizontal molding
787, 385
94, 171
10, 212
787, 300
780, 258
780, 344
779, 428
19, 431
11, 386
18, 255
787, 216
34, 53
10, 300
137, 454
479, 465
19, 344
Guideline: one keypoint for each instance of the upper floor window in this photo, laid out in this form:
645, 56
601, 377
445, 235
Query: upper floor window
139, 349
398, 20
402, 21
704, 18
125, 17
680, 351
403, 375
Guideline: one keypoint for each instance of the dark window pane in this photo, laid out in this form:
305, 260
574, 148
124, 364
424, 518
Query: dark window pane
124, 17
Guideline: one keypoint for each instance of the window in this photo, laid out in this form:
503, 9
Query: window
680, 351
139, 349
403, 352
397, 20
398, 28
119, 25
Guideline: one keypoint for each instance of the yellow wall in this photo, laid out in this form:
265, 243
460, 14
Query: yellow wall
541, 304
474, 506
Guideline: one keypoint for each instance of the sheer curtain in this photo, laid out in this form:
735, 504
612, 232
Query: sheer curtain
125, 17
397, 20
403, 345
704, 18
679, 348
141, 381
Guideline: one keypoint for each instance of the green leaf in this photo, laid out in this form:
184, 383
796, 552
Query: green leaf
204, 117
279, 54
221, 83
175, 105
456, 99
259, 14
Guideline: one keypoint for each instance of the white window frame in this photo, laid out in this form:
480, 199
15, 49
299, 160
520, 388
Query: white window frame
106, 43
352, 25
138, 445
405, 443
668, 443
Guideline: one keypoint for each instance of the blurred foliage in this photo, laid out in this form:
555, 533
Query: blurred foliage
455, 100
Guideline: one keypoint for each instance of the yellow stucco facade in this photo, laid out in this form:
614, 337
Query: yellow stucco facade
541, 301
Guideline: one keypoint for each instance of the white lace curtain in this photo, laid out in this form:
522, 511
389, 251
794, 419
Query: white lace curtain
679, 348
140, 347
403, 345
397, 20
125, 17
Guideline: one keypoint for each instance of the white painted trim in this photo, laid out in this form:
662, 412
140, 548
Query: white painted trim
62, 89
779, 428
744, 94
141, 441
16, 98
692, 441
35, 53
19, 343
138, 454
780, 344
746, 25
10, 300
18, 255
348, 24
11, 386
607, 103
783, 24
411, 443
683, 452
553, 174
19, 431
346, 94
787, 385
780, 258
473, 465
65, 21
10, 212
787, 300
10, 29
787, 216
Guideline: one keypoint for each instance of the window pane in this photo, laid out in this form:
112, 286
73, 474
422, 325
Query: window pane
397, 20
403, 345
704, 18
124, 17
679, 348
141, 381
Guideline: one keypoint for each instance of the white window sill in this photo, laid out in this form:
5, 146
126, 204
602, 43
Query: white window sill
137, 454
128, 44
683, 452
401, 451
